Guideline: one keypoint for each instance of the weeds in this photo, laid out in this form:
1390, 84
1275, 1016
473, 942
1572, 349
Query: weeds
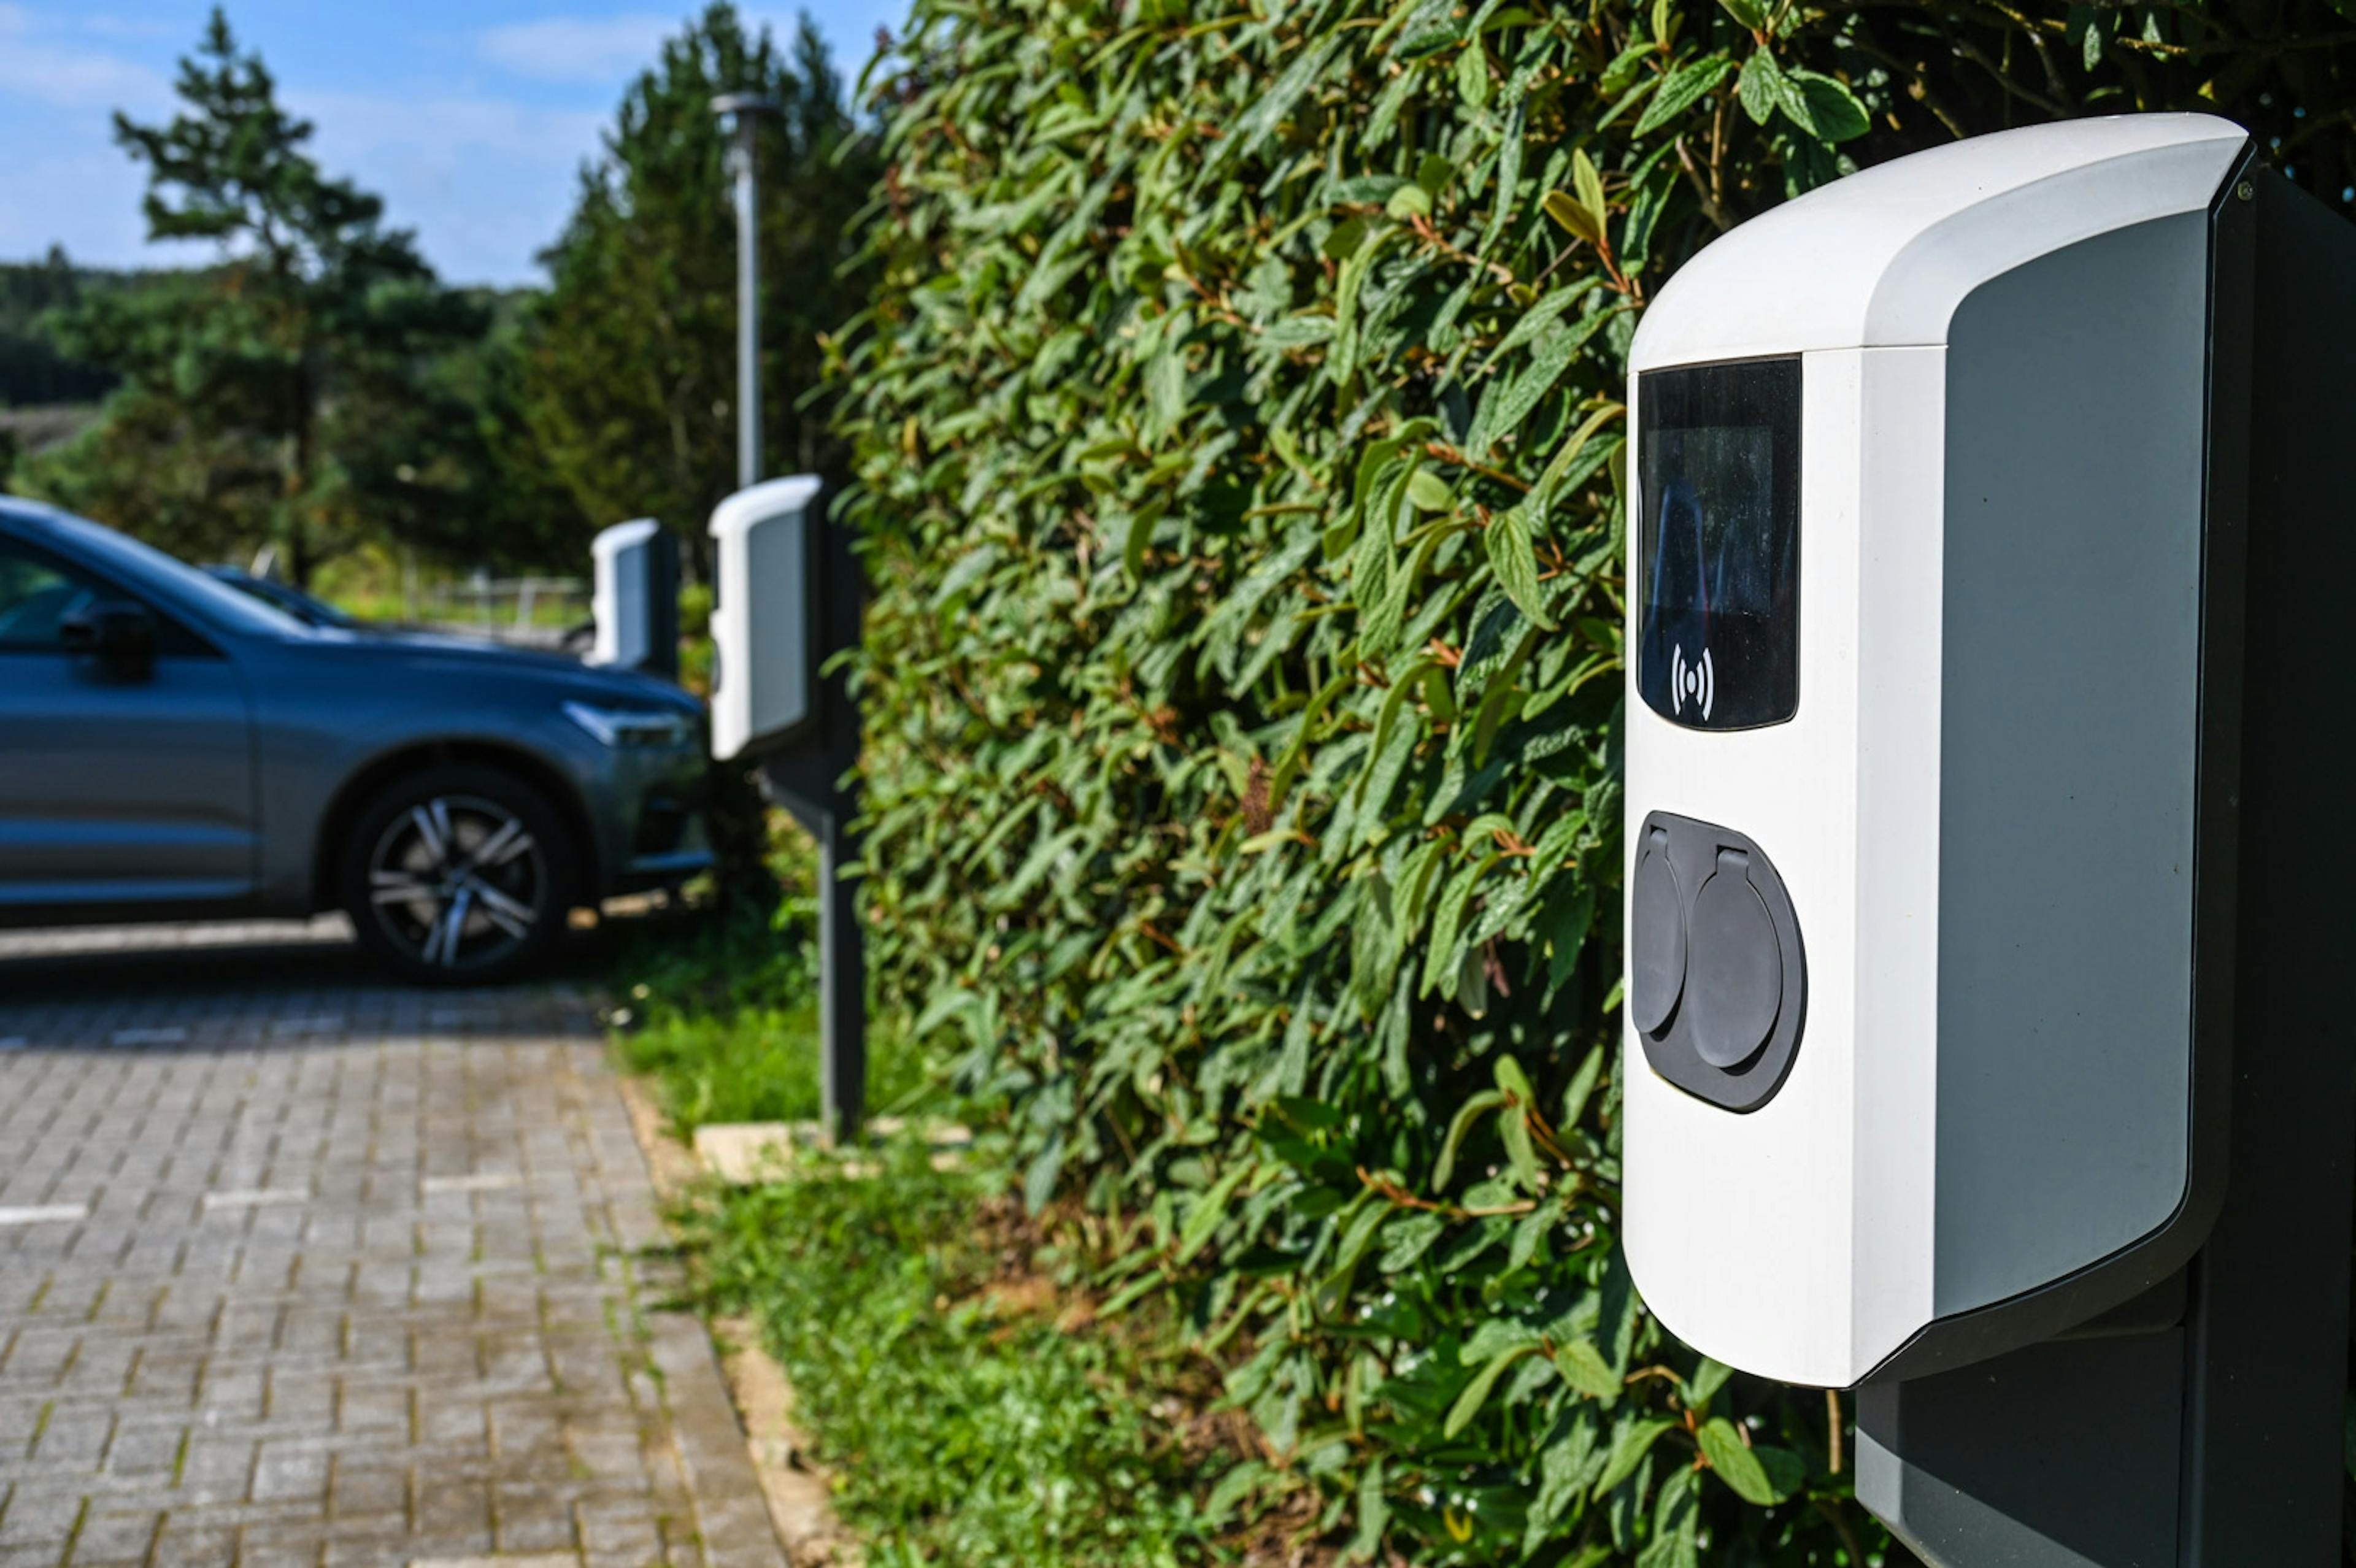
973, 1423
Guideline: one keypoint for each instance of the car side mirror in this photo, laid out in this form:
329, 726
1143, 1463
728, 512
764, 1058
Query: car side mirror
116, 632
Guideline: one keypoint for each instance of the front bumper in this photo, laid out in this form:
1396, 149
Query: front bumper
651, 807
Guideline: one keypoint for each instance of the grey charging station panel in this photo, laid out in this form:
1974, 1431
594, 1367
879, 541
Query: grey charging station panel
2199, 1424
1718, 977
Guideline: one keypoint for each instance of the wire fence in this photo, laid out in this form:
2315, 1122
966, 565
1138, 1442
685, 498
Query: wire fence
536, 612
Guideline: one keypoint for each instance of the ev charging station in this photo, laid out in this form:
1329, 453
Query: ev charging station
1987, 1042
788, 591
634, 598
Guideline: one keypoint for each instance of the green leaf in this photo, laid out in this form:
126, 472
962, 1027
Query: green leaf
1761, 89
1511, 556
1684, 88
1750, 13
1466, 1114
1834, 113
1476, 1392
1543, 314
1504, 408
1334, 1288
1448, 920
1165, 389
1787, 1471
1140, 538
1513, 1127
1589, 185
1727, 1455
1620, 74
1494, 1338
1039, 1181
1582, 1085
1677, 1526
1373, 1514
1427, 491
1569, 212
1408, 201
1202, 1220
1472, 83
1584, 1367
1707, 1380
1628, 1446
1406, 1238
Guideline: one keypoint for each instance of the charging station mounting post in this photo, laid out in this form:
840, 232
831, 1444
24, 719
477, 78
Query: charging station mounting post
803, 725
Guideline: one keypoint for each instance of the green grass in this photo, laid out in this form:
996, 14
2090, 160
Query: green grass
722, 1014
966, 1426
969, 1422
966, 1420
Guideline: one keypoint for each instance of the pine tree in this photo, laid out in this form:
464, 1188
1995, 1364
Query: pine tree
631, 374
260, 395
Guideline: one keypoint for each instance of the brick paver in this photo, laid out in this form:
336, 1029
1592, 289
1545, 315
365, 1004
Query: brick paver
300, 1267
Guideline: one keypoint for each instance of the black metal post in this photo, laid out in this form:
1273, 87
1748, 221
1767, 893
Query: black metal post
815, 781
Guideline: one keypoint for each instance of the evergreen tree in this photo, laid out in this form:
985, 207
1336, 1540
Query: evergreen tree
629, 380
288, 392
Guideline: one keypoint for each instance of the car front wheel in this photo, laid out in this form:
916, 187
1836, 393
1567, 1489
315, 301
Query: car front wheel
458, 875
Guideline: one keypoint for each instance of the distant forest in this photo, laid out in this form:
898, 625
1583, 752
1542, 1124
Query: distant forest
33, 370
312, 383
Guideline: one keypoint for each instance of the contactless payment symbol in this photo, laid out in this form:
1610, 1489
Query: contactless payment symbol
1694, 683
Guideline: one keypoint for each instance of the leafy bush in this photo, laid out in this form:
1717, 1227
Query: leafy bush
1239, 432
977, 1430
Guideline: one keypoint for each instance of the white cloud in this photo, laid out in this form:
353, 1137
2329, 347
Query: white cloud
37, 68
579, 48
486, 183
84, 197
106, 25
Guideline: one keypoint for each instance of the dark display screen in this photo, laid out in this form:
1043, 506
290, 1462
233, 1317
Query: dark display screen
1717, 544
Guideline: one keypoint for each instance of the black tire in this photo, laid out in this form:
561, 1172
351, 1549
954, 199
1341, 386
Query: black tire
491, 869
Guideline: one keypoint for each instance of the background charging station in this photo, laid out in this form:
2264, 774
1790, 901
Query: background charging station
634, 597
789, 593
1988, 1042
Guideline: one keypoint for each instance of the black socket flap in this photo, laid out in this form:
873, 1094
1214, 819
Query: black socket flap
1717, 978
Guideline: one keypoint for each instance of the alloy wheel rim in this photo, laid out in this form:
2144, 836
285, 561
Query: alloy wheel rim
457, 882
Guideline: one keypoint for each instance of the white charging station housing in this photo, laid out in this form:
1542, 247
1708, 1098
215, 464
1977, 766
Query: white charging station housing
763, 620
634, 596
1914, 758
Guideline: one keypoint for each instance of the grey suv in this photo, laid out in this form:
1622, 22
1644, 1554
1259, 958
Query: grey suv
171, 748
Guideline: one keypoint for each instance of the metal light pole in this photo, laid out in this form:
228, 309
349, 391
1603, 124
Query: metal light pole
742, 114
809, 778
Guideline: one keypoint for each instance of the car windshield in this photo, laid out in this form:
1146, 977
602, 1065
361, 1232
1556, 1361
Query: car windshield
304, 607
217, 600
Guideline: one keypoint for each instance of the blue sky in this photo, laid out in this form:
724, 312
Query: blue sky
468, 116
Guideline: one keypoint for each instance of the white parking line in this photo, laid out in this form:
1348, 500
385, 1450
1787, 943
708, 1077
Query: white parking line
256, 1196
42, 1213
482, 1181
172, 1035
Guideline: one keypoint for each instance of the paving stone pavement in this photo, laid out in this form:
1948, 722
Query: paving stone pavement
299, 1267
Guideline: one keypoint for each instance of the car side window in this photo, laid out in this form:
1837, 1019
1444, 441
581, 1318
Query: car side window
36, 595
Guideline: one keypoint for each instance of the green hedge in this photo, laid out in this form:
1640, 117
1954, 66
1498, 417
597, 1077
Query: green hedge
1239, 432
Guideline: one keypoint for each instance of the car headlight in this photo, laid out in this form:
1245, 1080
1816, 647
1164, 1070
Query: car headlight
633, 729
